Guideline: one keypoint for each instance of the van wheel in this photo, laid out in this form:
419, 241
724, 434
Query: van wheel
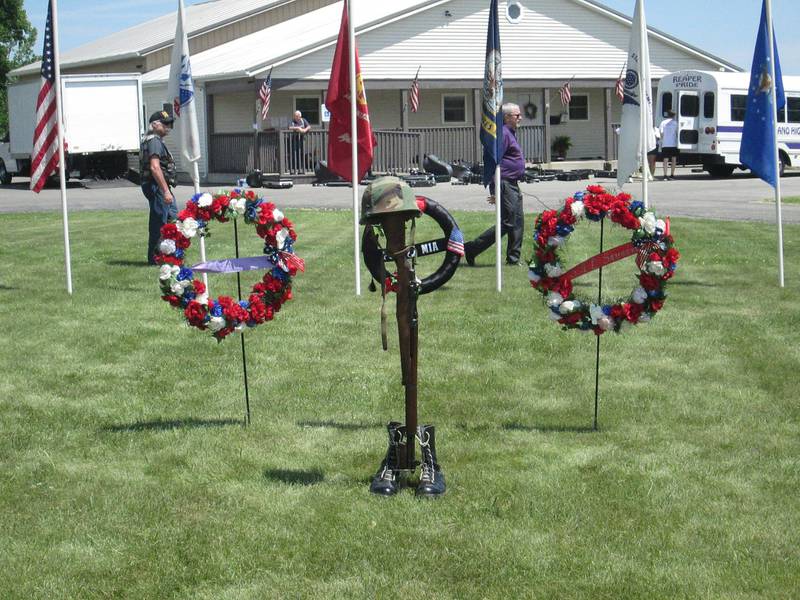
5, 176
784, 163
720, 170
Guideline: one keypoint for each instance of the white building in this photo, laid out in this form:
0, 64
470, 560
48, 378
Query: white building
236, 43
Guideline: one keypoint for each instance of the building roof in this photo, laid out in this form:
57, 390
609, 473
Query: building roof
158, 33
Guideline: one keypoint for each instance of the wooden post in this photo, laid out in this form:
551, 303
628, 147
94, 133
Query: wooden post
395, 230
546, 117
282, 151
607, 122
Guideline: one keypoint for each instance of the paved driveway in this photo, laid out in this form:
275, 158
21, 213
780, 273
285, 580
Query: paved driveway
740, 197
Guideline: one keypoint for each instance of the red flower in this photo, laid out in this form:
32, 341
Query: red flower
182, 242
258, 310
172, 299
671, 257
571, 319
199, 286
656, 305
617, 312
649, 282
596, 189
170, 231
189, 212
195, 314
167, 259
632, 311
564, 287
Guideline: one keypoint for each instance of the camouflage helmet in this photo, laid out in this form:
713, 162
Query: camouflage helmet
385, 196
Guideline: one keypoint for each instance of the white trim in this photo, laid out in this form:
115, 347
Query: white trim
455, 95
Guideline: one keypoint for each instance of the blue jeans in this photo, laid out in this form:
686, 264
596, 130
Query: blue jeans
160, 214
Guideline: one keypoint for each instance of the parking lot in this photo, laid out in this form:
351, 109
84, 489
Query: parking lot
740, 197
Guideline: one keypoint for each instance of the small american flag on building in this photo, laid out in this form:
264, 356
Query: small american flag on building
566, 94
619, 89
44, 159
264, 94
455, 242
414, 93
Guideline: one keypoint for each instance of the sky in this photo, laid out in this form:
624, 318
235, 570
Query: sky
725, 28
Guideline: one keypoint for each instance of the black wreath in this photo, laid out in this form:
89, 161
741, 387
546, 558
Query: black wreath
375, 256
530, 110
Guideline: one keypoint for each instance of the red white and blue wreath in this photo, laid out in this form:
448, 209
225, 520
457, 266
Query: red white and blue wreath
651, 242
224, 315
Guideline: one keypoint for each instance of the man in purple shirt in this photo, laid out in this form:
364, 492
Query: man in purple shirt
512, 171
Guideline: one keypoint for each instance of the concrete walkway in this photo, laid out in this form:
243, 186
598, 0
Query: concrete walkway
740, 197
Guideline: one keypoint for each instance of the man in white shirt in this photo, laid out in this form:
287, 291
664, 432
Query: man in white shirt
669, 142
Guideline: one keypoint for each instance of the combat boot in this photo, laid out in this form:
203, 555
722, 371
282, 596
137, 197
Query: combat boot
386, 480
431, 481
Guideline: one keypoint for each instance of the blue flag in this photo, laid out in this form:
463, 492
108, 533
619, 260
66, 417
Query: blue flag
492, 113
758, 135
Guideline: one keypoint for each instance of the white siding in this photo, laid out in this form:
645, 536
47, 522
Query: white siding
234, 112
554, 40
154, 97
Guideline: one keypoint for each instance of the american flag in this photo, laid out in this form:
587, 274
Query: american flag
44, 159
619, 89
414, 94
264, 94
566, 94
455, 242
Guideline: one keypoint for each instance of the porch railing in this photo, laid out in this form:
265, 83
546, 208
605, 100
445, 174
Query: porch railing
282, 151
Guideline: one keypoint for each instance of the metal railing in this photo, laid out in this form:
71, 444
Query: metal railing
286, 153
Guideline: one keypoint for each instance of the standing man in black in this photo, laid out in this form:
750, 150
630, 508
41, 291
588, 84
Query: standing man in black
299, 128
158, 176
512, 171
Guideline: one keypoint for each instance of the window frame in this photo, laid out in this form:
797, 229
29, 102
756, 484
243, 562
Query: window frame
315, 98
741, 108
790, 110
521, 8
588, 111
466, 115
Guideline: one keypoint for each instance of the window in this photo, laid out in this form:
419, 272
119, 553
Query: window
514, 12
309, 106
708, 105
794, 109
782, 114
689, 136
738, 107
666, 103
690, 106
579, 108
454, 108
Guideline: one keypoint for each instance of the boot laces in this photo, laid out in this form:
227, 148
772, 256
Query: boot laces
428, 472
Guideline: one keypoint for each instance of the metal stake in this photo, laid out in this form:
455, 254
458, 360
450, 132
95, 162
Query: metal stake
597, 357
244, 354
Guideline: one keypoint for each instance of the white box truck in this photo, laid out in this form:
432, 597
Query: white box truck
103, 122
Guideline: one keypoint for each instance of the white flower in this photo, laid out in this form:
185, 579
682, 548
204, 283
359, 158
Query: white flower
204, 200
648, 222
554, 316
569, 306
644, 318
639, 295
605, 323
216, 323
555, 241
596, 312
277, 215
238, 204
167, 246
656, 267
176, 288
554, 299
168, 271
188, 227
280, 238
202, 298
661, 226
577, 209
553, 269
533, 276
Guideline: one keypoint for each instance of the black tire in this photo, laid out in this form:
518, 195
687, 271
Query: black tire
720, 170
784, 163
5, 176
375, 259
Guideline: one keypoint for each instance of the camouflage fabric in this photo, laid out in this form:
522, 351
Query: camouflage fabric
387, 195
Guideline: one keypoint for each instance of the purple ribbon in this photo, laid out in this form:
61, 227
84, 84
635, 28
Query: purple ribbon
234, 265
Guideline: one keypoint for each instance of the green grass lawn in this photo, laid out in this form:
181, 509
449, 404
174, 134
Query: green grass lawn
125, 471
784, 200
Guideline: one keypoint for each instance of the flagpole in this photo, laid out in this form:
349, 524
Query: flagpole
60, 128
498, 233
773, 91
643, 95
354, 141
196, 182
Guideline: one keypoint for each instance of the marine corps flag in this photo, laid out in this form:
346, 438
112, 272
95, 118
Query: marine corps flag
337, 100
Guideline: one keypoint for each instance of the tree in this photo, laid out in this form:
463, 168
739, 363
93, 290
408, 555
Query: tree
17, 38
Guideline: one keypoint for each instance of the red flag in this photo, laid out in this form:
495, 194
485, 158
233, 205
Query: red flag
337, 100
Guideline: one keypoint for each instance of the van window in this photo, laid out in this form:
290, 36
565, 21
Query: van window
690, 106
738, 107
708, 105
794, 109
666, 103
782, 114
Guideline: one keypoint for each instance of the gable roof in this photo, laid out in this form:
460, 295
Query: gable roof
309, 39
158, 33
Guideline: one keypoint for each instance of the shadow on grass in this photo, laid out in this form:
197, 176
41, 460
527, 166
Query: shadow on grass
548, 428
682, 282
340, 426
173, 424
6, 288
294, 477
128, 263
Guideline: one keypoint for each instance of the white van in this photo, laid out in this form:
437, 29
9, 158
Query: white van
710, 108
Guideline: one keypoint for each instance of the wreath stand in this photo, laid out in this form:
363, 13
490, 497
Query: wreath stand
597, 356
244, 354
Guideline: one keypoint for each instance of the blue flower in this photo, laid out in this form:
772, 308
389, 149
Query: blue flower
607, 310
195, 198
189, 294
244, 304
564, 230
579, 196
280, 274
184, 274
593, 217
201, 224
217, 311
184, 302
637, 208
251, 211
179, 253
